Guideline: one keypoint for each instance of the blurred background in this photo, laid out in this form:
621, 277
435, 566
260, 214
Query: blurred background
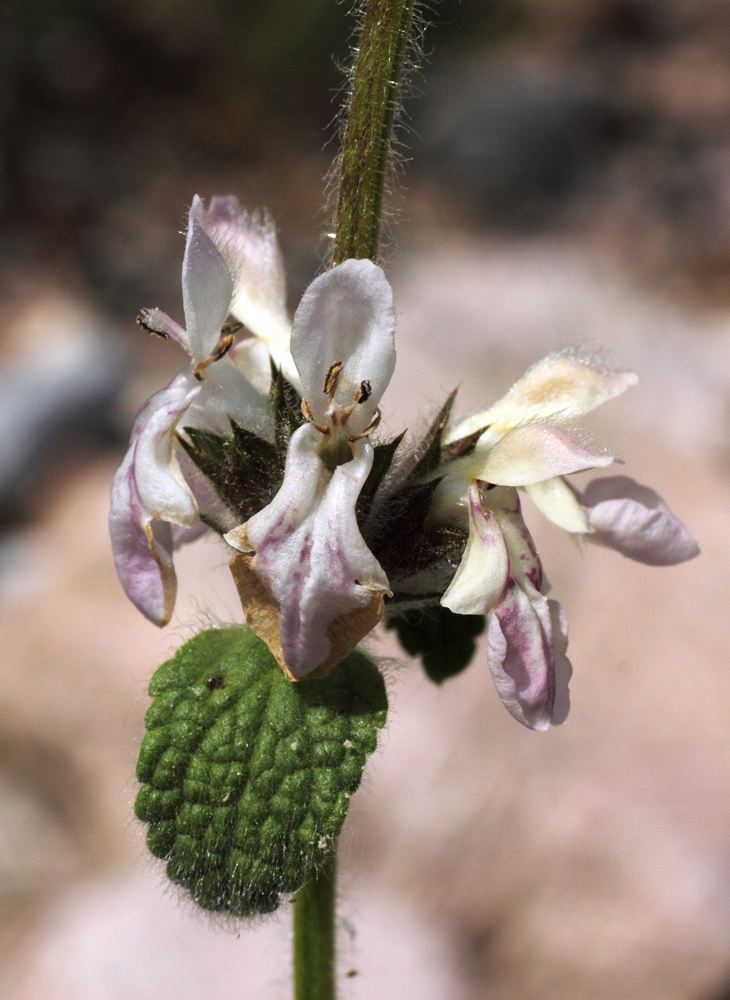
564, 179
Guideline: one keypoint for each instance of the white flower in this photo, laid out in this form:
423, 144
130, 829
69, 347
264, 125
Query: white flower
524, 441
231, 263
309, 585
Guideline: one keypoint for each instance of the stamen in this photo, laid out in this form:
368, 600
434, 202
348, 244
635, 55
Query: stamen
370, 427
365, 391
232, 326
144, 320
330, 382
308, 414
219, 351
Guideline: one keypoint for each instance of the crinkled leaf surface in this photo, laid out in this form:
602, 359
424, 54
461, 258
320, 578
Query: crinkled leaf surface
444, 641
246, 777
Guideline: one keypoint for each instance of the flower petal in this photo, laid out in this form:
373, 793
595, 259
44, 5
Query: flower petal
142, 548
558, 387
533, 453
250, 245
227, 393
252, 358
309, 552
558, 503
160, 484
346, 317
527, 641
635, 521
525, 565
207, 286
481, 580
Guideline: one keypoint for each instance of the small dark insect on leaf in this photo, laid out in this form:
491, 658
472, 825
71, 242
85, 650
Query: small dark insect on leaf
216, 683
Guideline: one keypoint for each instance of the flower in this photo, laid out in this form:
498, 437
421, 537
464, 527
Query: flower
309, 584
328, 525
525, 441
231, 265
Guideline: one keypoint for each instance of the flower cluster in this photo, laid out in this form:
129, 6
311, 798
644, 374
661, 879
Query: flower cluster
271, 442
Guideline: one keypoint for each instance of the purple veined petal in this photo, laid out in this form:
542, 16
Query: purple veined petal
249, 244
526, 647
559, 387
162, 489
309, 552
160, 323
533, 453
558, 503
635, 521
525, 566
142, 548
346, 317
226, 393
207, 286
481, 580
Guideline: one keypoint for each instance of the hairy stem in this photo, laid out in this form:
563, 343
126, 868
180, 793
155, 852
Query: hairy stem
314, 936
366, 142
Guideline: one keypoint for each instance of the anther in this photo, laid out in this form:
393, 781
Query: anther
333, 374
365, 391
232, 327
219, 351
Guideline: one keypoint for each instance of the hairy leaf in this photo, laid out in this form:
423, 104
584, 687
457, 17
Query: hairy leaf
246, 777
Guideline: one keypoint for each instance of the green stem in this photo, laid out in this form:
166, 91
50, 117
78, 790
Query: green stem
362, 167
314, 936
366, 141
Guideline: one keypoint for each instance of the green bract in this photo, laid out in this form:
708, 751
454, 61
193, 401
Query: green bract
246, 777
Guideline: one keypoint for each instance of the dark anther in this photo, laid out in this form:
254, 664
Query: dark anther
366, 391
143, 320
215, 683
330, 382
224, 346
232, 326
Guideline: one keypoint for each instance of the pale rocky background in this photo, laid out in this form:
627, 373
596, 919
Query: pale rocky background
480, 860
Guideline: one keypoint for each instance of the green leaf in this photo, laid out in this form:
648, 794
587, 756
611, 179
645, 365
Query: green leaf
246, 778
444, 641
